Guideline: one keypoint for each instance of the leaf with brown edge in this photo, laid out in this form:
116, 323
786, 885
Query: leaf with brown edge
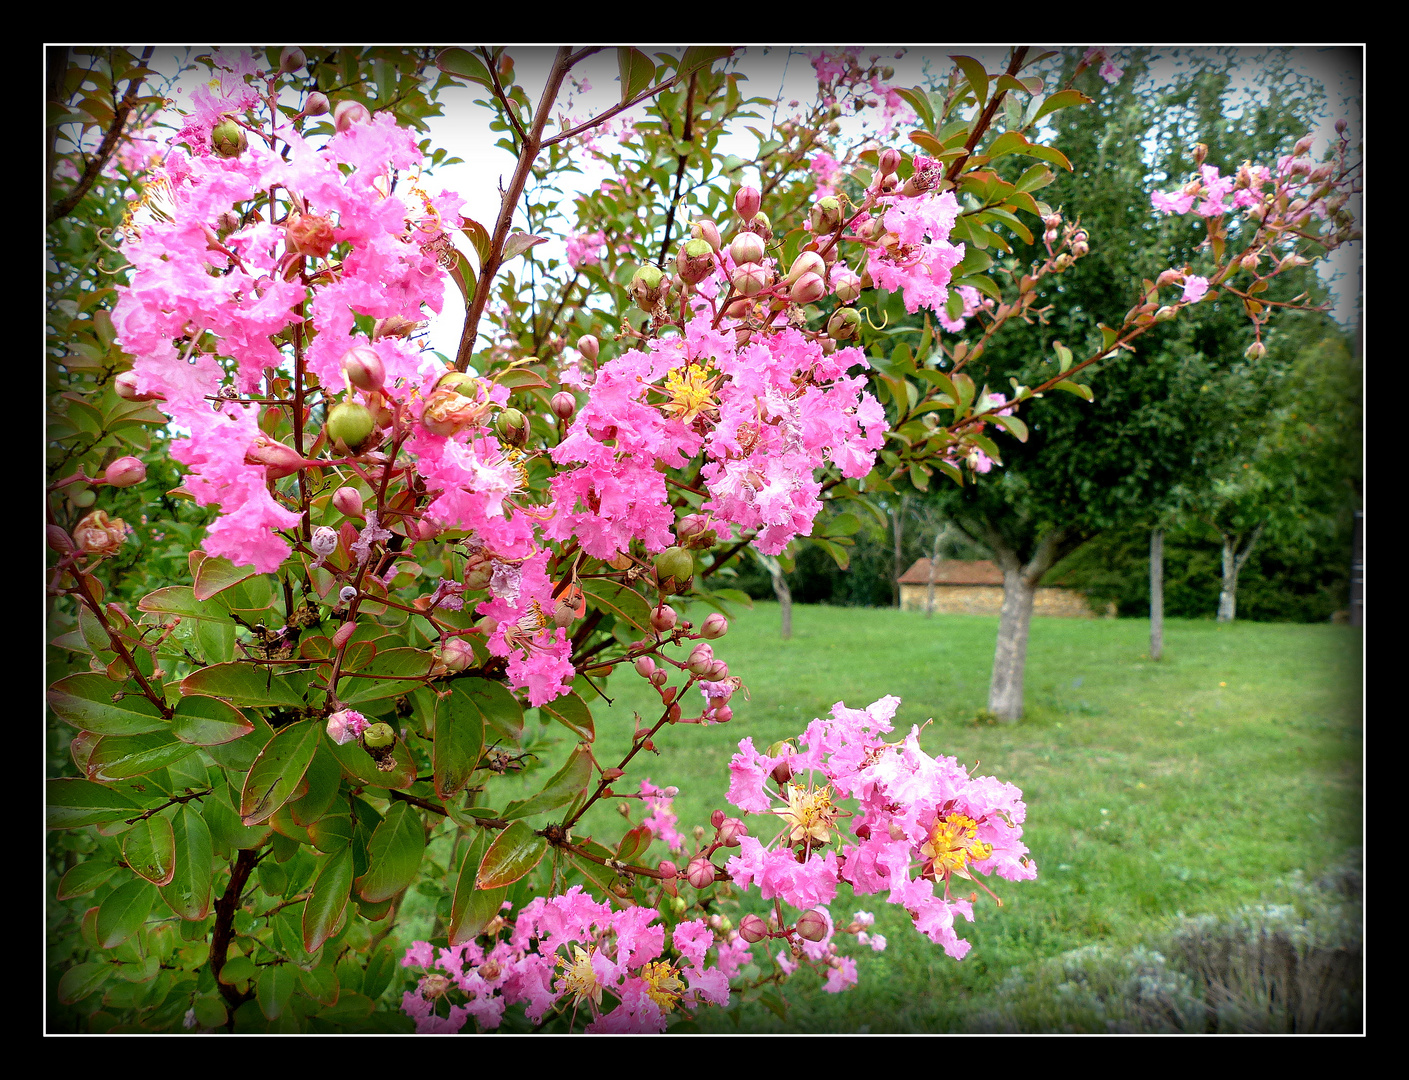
515, 852
328, 900
150, 849
216, 574
278, 770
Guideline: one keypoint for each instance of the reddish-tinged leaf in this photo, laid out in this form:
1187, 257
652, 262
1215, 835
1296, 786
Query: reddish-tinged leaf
276, 773
513, 854
393, 854
328, 901
150, 849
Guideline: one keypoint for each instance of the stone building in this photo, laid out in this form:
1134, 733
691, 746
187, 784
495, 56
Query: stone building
976, 588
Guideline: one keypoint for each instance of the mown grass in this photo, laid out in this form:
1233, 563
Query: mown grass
1189, 786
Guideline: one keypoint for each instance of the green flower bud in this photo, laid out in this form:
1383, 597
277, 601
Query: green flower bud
825, 215
675, 562
378, 737
228, 139
349, 426
512, 426
844, 324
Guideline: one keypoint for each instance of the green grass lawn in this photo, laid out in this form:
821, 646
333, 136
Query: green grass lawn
1189, 786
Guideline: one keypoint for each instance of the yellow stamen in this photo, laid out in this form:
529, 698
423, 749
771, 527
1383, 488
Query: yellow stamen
691, 391
810, 814
579, 978
664, 985
952, 845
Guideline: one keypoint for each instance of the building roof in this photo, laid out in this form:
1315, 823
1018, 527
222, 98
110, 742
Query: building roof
954, 572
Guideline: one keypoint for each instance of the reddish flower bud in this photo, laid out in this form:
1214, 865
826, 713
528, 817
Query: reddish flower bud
825, 215
645, 666
753, 929
658, 677
730, 831
747, 202
308, 234
564, 405
290, 60
97, 534
125, 471
348, 500
846, 285
278, 459
750, 279
456, 654
700, 659
746, 247
588, 346
808, 289
723, 714
807, 262
348, 113
126, 387
715, 626
705, 229
663, 618
695, 261
364, 368
700, 872
316, 104
717, 818
812, 925
889, 160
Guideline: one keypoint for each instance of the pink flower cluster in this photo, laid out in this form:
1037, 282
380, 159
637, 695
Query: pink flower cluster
661, 820
585, 249
578, 956
916, 257
1109, 71
912, 810
974, 302
766, 415
1210, 190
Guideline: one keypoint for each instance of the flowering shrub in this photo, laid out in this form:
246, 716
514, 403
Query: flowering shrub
407, 550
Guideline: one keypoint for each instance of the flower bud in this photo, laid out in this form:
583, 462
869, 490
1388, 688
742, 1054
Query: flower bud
675, 562
808, 289
825, 215
750, 278
695, 261
723, 714
512, 426
348, 501
125, 471
563, 405
1166, 313
715, 626
1341, 125
760, 225
752, 929
717, 818
349, 426
865, 228
1169, 277
1256, 351
456, 654
1303, 145
1250, 260
346, 595
364, 368
323, 541
1052, 221
447, 411
700, 659
97, 534
316, 104
717, 671
647, 287
663, 619
346, 725
746, 247
730, 831
1200, 153
812, 925
705, 229
588, 346
378, 737
846, 285
228, 139
645, 666
1062, 263
807, 262
348, 113
308, 234
658, 678
279, 460
844, 324
890, 159
290, 60
126, 387
1080, 249
747, 202
700, 872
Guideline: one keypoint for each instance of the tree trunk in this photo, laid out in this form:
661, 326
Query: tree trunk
1233, 560
929, 590
1156, 594
785, 602
899, 516
1357, 573
1005, 692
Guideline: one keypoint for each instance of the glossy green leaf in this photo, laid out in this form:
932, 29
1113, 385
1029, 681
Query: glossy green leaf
619, 600
81, 980
919, 101
216, 574
116, 757
237, 756
514, 852
572, 712
1062, 99
393, 855
237, 969
1013, 425
459, 741
180, 600
328, 901
86, 702
465, 64
358, 764
149, 848
71, 803
1079, 389
323, 778
208, 721
84, 878
321, 984
124, 911
566, 784
248, 684
472, 909
273, 989
500, 708
636, 72
188, 893
277, 771
973, 71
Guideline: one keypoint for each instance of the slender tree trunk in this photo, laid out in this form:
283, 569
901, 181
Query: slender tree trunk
1005, 692
1156, 594
899, 516
1233, 560
929, 589
1357, 573
785, 601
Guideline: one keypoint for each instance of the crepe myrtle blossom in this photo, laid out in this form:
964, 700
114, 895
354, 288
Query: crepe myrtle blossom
919, 822
914, 255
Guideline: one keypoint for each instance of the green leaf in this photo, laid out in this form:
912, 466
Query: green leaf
1108, 336
322, 779
918, 100
117, 757
248, 684
150, 849
572, 712
84, 878
1013, 425
273, 989
1037, 176
516, 243
81, 980
472, 909
500, 708
567, 783
636, 72
465, 64
699, 56
952, 471
321, 984
277, 771
216, 574
619, 600
1010, 142
188, 893
1062, 99
1048, 153
327, 903
1079, 389
514, 852
208, 721
1063, 355
479, 238
124, 911
358, 765
927, 142
180, 600
974, 72
86, 702
238, 756
393, 855
459, 741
